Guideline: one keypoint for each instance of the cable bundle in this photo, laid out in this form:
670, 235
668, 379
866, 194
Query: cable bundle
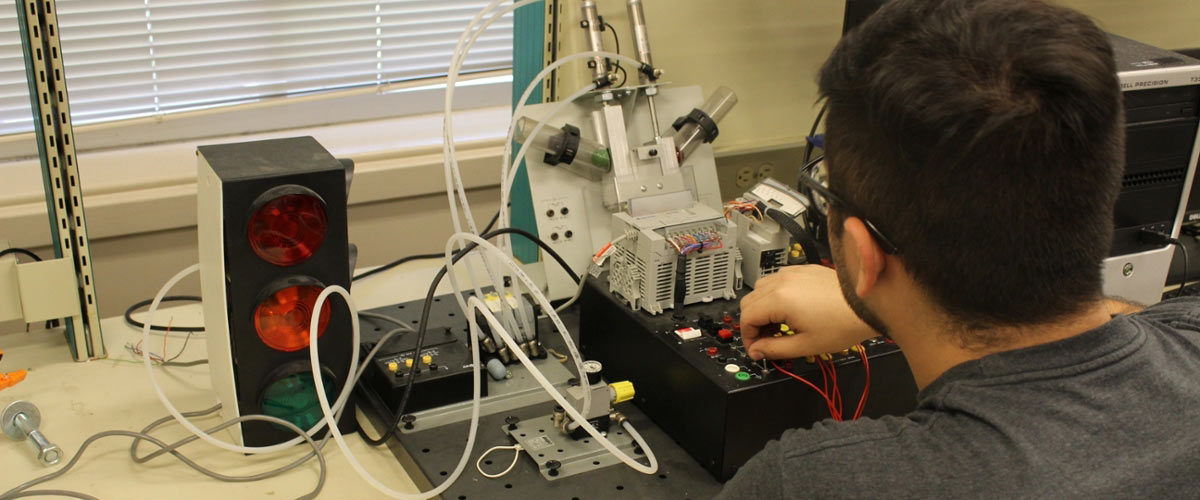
831, 391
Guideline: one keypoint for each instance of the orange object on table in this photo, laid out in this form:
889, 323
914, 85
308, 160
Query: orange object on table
12, 378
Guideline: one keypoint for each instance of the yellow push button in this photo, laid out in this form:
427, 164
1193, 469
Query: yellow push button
408, 363
427, 359
393, 366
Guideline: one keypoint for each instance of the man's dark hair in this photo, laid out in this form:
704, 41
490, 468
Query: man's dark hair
985, 139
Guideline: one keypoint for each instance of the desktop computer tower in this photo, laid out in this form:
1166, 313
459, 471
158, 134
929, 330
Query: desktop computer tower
1162, 98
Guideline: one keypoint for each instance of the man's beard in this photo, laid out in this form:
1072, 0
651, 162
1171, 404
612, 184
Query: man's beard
856, 303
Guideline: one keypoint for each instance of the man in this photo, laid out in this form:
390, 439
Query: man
976, 147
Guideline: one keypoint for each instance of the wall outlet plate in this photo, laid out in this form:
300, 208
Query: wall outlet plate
738, 171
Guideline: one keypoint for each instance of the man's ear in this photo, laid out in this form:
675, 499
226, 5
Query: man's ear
871, 261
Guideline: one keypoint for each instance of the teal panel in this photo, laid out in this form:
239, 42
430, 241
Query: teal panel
529, 28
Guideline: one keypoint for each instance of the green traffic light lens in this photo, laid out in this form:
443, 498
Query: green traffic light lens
294, 398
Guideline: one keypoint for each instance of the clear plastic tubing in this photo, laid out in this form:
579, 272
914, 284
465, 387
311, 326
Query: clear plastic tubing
691, 136
591, 160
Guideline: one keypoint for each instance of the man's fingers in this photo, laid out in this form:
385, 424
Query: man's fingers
766, 309
789, 347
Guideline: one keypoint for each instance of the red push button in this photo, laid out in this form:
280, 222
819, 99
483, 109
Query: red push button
725, 334
712, 351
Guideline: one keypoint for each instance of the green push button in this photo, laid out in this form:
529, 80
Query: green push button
743, 376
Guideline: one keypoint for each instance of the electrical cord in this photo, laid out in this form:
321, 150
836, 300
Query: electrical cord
28, 253
52, 493
355, 368
809, 146
1160, 238
22, 251
1181, 246
617, 44
410, 258
170, 362
424, 322
162, 328
816, 215
807, 243
394, 263
20, 490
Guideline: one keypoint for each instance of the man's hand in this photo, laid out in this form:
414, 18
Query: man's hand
809, 300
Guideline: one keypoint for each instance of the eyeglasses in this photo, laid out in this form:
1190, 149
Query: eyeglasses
830, 198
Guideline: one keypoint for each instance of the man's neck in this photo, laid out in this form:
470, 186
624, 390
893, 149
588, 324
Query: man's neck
930, 355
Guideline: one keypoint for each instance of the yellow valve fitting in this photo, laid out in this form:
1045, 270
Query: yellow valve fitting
622, 391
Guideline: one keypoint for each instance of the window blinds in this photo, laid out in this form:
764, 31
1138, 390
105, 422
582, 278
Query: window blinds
132, 58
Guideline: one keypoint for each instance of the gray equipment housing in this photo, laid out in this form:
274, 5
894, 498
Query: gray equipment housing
644, 262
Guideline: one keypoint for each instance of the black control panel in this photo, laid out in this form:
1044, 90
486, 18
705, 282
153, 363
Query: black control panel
694, 379
443, 367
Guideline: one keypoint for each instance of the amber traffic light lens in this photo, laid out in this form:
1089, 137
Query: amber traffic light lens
282, 319
287, 230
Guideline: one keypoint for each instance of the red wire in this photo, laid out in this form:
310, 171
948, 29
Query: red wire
831, 388
862, 401
837, 388
825, 378
828, 403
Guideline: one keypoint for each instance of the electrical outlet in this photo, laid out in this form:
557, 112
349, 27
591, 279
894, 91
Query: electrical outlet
765, 170
745, 177
739, 171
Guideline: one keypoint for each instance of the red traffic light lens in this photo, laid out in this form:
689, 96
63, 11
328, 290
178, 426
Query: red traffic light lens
282, 319
288, 229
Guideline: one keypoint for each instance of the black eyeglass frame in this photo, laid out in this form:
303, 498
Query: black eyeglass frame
812, 183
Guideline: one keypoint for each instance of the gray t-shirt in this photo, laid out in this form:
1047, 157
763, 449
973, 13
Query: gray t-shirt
1111, 413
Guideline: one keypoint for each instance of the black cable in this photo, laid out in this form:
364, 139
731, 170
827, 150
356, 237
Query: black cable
53, 323
21, 251
160, 328
1181, 246
680, 285
617, 64
424, 256
171, 362
808, 244
424, 322
397, 262
808, 144
1160, 238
